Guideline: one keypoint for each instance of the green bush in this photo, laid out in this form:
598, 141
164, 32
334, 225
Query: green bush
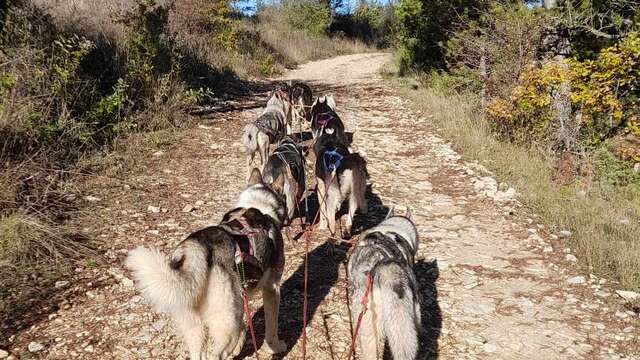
425, 26
311, 16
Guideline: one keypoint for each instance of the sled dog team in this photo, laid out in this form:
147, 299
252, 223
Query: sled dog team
202, 282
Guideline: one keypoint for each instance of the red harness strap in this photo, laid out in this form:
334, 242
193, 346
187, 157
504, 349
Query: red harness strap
363, 301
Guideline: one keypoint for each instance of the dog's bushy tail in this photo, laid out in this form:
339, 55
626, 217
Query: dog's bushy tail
168, 284
397, 311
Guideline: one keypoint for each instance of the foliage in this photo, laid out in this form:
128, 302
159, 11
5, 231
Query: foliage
594, 25
425, 26
371, 22
604, 95
506, 37
311, 16
526, 114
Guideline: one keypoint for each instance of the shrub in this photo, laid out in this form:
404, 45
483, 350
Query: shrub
604, 96
425, 26
311, 16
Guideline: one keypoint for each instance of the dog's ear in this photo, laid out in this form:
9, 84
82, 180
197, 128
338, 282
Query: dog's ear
331, 102
408, 215
256, 177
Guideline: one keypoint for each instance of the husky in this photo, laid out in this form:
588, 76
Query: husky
200, 284
269, 128
284, 172
324, 119
340, 175
383, 260
301, 101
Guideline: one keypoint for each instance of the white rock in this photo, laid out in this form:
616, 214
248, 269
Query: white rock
92, 198
35, 347
636, 167
188, 208
624, 222
153, 209
628, 295
199, 203
61, 284
3, 354
89, 349
565, 233
490, 348
576, 280
158, 153
570, 257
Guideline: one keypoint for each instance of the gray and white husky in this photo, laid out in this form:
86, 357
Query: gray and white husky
386, 254
199, 284
269, 128
284, 172
341, 175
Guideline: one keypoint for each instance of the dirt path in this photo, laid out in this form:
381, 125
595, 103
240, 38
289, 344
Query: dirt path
494, 285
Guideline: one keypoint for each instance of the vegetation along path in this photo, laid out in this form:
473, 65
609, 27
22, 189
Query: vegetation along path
494, 284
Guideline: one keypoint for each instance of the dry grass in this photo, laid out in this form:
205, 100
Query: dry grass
298, 46
603, 219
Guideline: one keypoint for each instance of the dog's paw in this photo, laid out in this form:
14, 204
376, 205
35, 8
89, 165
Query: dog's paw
276, 347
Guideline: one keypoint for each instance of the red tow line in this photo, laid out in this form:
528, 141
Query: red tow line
363, 301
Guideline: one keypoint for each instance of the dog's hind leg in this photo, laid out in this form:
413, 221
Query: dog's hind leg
367, 335
193, 332
223, 313
249, 162
333, 201
322, 206
271, 300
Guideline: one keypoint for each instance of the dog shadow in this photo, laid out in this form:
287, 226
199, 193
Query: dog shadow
376, 213
322, 276
427, 273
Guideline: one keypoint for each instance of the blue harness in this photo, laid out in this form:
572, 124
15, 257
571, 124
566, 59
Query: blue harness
332, 160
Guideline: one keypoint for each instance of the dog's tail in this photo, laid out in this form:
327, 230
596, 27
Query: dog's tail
169, 284
249, 138
396, 310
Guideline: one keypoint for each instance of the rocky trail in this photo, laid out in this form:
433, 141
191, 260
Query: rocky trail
494, 283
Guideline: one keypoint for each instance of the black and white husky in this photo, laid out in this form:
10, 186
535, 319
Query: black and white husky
301, 101
325, 119
284, 172
341, 175
200, 283
269, 128
384, 256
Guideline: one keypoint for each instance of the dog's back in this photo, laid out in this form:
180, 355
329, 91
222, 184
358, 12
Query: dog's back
385, 253
286, 157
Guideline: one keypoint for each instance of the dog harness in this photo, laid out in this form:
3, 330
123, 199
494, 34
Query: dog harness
264, 124
293, 163
324, 118
244, 238
332, 160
